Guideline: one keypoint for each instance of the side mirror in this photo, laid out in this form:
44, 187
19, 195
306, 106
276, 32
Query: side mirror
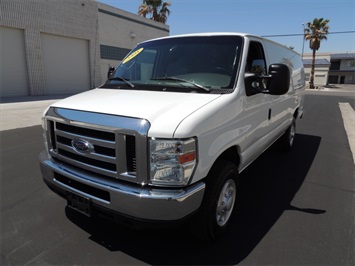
254, 83
279, 82
110, 71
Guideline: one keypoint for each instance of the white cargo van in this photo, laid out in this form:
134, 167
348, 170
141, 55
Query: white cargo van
165, 138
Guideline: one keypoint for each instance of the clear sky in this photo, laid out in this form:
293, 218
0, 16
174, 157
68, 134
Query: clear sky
260, 17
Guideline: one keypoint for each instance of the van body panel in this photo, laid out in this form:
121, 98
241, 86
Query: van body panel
199, 97
155, 107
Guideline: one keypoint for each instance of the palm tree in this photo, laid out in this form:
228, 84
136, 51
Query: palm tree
315, 32
159, 10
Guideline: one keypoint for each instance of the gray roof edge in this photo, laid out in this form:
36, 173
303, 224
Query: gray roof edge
322, 61
342, 56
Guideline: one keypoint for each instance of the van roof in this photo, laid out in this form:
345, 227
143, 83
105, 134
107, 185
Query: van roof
204, 34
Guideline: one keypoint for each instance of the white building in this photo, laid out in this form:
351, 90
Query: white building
342, 69
63, 47
331, 68
321, 70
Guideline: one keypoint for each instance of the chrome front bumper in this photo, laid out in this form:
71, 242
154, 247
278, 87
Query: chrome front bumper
139, 202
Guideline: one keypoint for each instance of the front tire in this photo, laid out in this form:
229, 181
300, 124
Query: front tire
219, 201
288, 138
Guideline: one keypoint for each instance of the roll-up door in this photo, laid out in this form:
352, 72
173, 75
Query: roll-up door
65, 64
13, 67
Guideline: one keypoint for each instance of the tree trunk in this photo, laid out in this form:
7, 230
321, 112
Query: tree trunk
155, 14
311, 79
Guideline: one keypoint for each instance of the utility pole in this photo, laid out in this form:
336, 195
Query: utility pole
303, 40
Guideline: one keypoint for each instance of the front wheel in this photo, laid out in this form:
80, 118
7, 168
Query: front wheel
219, 201
288, 138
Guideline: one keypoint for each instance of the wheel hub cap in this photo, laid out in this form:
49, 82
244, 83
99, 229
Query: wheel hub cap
226, 202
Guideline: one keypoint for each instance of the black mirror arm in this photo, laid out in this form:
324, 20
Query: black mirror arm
255, 77
266, 77
262, 91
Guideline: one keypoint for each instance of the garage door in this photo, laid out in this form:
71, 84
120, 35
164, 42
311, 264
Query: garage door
13, 68
66, 64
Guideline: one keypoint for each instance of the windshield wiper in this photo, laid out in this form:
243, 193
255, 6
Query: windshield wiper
183, 80
122, 79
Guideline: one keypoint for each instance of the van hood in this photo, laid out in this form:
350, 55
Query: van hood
163, 110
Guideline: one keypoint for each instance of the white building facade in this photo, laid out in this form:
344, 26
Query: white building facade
65, 47
342, 69
331, 68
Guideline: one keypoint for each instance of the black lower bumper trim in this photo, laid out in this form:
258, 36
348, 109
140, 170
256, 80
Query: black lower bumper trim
101, 194
132, 222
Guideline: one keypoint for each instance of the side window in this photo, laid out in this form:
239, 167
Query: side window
256, 64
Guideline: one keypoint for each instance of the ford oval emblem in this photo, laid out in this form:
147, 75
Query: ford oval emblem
82, 145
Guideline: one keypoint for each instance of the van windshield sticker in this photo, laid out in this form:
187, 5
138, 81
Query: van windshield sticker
133, 55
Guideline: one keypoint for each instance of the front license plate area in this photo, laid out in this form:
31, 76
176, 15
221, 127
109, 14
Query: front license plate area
79, 203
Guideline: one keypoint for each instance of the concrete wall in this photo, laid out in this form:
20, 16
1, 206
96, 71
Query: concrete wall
320, 74
39, 38
70, 18
320, 71
122, 30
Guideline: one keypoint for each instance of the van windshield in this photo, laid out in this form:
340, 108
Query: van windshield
184, 64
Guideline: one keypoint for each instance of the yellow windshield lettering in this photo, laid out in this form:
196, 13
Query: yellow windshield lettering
132, 55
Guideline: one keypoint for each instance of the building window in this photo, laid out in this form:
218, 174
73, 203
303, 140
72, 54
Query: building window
335, 65
351, 63
113, 53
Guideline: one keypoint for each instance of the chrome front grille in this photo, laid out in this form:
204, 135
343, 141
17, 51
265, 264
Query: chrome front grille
107, 149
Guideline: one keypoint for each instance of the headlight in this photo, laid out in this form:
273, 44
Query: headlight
44, 133
172, 162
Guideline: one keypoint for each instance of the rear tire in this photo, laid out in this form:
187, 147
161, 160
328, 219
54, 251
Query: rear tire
219, 202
